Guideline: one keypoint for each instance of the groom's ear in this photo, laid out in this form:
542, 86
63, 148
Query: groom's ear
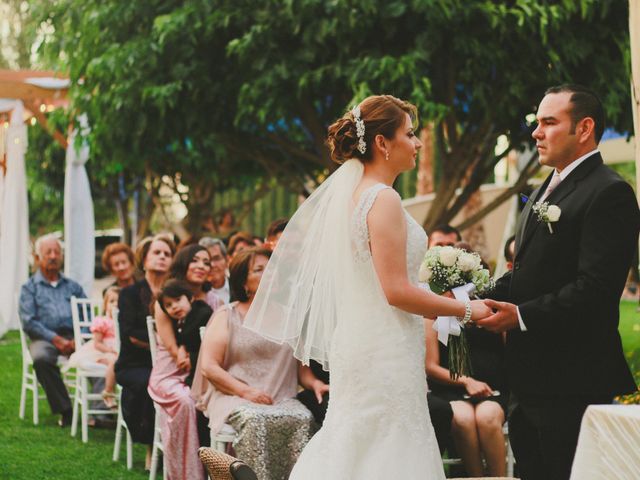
585, 129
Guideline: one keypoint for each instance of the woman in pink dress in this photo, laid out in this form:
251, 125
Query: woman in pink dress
182, 432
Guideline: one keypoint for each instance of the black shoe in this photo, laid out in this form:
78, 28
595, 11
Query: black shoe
65, 418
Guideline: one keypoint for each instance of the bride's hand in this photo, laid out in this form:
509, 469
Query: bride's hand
479, 310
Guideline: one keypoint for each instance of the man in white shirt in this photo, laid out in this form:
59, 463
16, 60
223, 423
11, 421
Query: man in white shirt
218, 276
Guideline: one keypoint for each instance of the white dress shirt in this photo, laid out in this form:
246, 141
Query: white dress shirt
223, 293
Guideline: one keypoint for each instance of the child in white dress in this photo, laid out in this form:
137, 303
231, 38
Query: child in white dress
102, 349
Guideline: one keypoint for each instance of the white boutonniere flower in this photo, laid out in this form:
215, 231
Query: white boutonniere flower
547, 213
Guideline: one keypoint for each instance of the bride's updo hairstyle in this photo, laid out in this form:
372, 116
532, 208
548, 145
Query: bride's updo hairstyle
381, 114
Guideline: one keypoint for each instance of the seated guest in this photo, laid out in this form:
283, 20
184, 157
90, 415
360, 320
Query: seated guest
251, 383
274, 232
133, 366
118, 260
238, 242
178, 322
218, 276
510, 251
444, 236
316, 398
45, 312
479, 402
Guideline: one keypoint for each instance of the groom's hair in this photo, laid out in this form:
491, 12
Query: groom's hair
585, 103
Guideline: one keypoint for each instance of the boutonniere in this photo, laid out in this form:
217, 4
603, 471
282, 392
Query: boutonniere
547, 213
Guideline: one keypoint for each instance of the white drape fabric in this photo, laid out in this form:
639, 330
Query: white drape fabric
79, 242
310, 280
14, 221
609, 444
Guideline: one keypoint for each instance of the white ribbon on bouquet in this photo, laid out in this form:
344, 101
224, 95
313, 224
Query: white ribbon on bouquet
446, 326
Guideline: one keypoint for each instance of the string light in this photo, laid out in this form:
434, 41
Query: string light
33, 121
43, 107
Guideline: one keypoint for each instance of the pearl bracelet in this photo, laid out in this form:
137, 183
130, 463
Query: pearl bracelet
467, 313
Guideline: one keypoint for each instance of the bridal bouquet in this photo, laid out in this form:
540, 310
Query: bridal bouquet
461, 272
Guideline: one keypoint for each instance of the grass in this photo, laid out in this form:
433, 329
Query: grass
30, 451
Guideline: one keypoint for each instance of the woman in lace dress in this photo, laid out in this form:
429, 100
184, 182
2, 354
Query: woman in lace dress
343, 291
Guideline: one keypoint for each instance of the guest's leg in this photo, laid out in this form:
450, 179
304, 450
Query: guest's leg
489, 419
309, 400
441, 417
45, 358
110, 376
180, 433
465, 436
137, 406
525, 442
271, 437
204, 433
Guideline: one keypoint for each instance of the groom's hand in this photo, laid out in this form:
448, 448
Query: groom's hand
505, 317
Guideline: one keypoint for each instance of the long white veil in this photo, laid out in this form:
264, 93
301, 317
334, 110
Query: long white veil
311, 272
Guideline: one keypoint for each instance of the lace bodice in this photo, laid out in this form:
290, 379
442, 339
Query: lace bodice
416, 237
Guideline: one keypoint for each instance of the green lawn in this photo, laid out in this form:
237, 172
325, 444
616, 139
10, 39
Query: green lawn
47, 451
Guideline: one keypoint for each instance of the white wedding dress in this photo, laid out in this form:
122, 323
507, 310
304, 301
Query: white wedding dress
377, 424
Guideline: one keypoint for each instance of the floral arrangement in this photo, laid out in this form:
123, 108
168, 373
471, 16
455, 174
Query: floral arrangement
461, 272
547, 213
445, 268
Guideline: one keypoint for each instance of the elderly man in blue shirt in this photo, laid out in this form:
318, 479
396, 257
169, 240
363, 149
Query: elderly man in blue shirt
45, 312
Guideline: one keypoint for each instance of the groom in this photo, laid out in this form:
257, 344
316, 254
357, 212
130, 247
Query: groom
560, 303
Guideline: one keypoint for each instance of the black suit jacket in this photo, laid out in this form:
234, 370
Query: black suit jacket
567, 285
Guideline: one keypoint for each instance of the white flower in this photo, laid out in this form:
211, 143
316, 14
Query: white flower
448, 256
425, 273
553, 213
468, 261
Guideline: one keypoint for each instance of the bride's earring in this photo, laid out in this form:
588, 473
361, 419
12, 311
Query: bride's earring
386, 155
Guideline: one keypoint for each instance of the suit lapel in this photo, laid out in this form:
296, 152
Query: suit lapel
525, 218
567, 186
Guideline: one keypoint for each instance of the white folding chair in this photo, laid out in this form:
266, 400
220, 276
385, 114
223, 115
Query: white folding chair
157, 434
83, 311
29, 379
121, 425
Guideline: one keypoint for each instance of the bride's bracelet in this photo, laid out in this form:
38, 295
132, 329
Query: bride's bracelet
467, 313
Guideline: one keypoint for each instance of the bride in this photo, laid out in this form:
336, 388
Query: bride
341, 288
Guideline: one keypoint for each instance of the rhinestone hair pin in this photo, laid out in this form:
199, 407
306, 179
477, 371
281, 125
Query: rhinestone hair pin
355, 112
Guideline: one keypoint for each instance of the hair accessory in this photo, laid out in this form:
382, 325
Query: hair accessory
355, 112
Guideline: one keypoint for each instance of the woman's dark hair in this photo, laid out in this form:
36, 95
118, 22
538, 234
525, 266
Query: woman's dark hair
382, 115
181, 262
237, 238
239, 271
174, 289
145, 244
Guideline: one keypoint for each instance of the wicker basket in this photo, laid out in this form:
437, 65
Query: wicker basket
221, 466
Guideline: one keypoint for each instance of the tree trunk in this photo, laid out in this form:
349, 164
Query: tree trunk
425, 182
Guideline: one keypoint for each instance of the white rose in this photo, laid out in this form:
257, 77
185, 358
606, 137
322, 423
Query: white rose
425, 274
553, 213
468, 262
448, 256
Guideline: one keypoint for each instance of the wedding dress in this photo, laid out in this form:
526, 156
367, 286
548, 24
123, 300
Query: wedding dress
377, 424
